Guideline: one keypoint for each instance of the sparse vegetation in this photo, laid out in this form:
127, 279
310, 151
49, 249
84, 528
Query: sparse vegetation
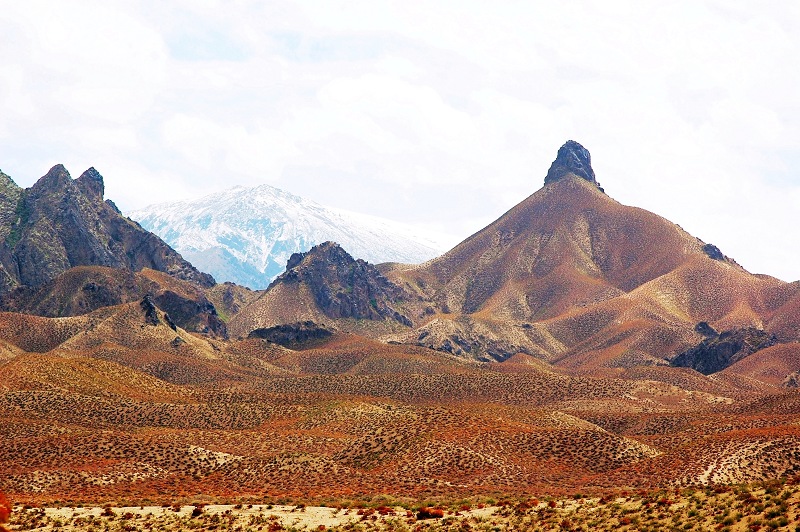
681, 509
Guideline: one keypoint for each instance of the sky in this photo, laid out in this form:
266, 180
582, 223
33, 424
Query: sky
440, 114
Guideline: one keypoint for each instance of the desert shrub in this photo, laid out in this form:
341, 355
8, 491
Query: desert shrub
5, 511
430, 513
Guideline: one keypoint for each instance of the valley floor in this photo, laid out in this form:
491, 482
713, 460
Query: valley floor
325, 438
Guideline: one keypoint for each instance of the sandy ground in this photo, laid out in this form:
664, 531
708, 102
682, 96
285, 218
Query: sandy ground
744, 508
247, 517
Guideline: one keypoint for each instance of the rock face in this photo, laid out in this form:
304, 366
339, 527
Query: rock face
191, 314
572, 158
292, 334
717, 352
60, 223
343, 287
713, 252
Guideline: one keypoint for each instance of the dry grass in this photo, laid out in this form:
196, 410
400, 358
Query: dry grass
753, 507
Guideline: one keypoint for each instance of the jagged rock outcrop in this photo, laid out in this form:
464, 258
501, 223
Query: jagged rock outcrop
342, 286
718, 351
191, 314
292, 334
792, 380
713, 252
572, 158
60, 223
150, 311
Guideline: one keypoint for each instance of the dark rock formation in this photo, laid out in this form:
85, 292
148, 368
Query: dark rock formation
60, 223
292, 334
342, 286
717, 352
91, 184
477, 347
706, 330
150, 311
573, 159
192, 314
151, 315
713, 252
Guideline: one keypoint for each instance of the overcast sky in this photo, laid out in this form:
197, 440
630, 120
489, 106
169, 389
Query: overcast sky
441, 114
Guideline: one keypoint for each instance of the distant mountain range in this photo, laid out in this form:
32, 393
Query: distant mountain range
246, 235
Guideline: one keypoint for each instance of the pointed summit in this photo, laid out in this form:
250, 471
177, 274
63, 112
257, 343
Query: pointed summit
57, 178
572, 159
91, 184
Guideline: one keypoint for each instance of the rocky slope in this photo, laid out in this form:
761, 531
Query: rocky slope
325, 285
718, 351
246, 235
60, 223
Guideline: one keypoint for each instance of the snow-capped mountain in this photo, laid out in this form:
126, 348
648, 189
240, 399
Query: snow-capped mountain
246, 235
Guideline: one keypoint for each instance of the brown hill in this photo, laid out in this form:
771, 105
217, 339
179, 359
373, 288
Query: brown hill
565, 246
778, 365
784, 322
570, 275
83, 289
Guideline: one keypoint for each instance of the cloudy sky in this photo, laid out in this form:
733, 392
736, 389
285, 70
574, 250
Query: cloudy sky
441, 114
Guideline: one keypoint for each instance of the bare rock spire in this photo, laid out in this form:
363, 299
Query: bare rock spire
573, 159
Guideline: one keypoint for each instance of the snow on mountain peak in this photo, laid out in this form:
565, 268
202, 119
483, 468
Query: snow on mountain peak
246, 235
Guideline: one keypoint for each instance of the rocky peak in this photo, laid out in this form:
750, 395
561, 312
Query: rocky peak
327, 251
57, 178
91, 184
572, 159
342, 286
10, 193
60, 223
7, 183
